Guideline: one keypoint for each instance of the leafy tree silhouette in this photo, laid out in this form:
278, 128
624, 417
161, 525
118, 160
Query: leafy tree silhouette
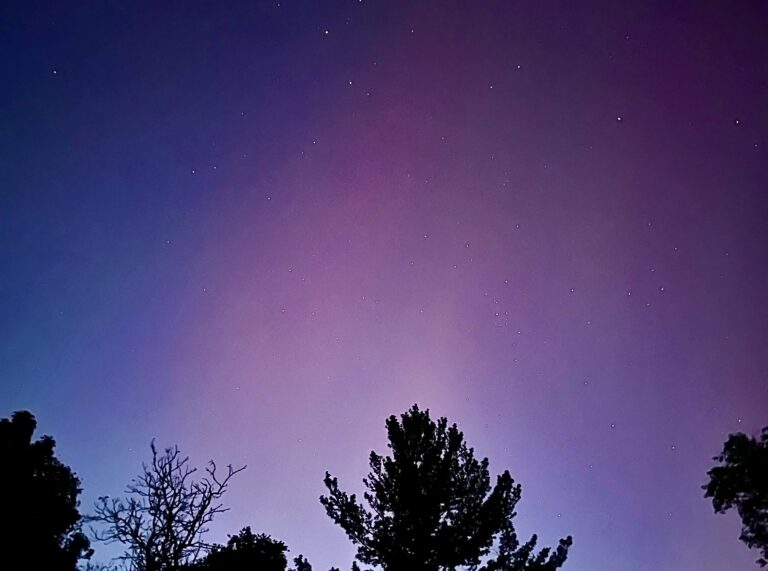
165, 514
41, 521
249, 552
432, 506
301, 564
355, 567
741, 481
245, 551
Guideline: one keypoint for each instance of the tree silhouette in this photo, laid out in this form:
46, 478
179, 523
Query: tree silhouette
92, 566
246, 551
741, 481
165, 514
511, 556
432, 506
39, 501
301, 564
249, 552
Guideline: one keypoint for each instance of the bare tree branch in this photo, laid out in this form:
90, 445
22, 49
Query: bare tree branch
165, 513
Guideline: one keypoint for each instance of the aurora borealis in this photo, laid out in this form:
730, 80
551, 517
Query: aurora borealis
257, 229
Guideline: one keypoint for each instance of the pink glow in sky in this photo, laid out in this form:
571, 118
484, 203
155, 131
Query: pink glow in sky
228, 229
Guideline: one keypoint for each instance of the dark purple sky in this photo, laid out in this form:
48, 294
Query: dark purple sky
259, 228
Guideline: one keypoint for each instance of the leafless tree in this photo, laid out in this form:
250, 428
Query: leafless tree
165, 513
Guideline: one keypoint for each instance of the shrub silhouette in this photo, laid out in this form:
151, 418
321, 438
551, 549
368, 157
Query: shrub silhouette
246, 551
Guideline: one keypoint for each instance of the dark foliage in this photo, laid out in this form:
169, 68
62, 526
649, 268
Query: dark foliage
741, 482
165, 514
41, 521
432, 506
301, 564
355, 567
511, 556
244, 552
92, 566
249, 552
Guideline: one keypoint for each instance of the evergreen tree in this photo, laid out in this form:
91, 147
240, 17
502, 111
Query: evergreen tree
432, 506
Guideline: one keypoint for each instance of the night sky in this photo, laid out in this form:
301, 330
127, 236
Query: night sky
257, 229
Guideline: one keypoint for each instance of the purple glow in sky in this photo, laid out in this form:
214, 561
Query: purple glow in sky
257, 229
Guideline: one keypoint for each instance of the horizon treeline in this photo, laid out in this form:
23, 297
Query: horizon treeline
430, 505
